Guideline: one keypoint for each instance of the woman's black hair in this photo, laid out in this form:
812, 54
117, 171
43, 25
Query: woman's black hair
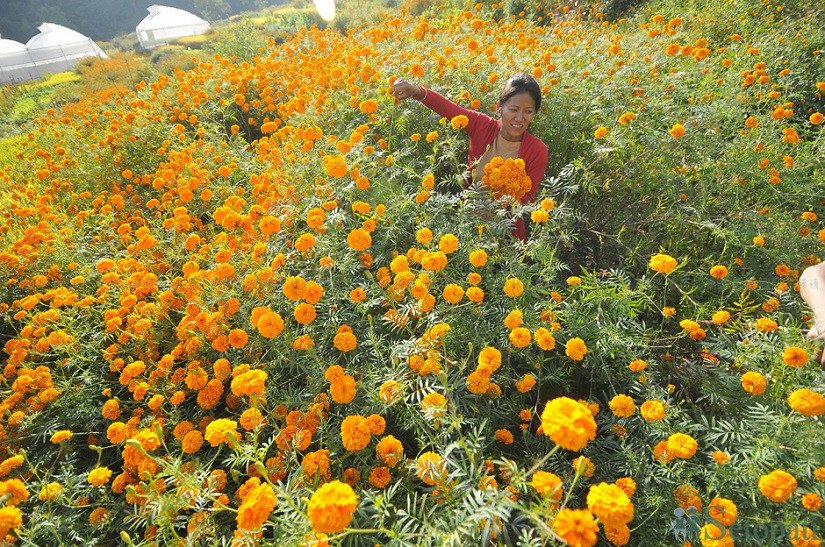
521, 83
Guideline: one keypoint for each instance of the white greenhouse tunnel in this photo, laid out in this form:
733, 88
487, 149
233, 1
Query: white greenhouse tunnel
55, 49
165, 24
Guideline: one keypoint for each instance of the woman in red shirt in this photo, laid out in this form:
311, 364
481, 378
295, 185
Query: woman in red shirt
506, 135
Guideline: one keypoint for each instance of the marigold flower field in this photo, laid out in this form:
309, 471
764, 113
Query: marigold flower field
254, 302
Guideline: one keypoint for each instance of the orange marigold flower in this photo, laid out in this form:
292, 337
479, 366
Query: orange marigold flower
794, 356
682, 445
811, 501
802, 536
10, 518
575, 348
754, 383
344, 340
355, 433
331, 507
719, 271
359, 239
807, 402
600, 132
222, 431
622, 406
257, 505
652, 411
576, 527
777, 486
568, 423
663, 263
431, 468
720, 457
99, 476
547, 484
610, 504
723, 511
60, 436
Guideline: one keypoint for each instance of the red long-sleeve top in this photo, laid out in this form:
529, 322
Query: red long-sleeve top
483, 130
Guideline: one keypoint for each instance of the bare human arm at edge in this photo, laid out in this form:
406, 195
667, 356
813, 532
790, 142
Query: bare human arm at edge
812, 290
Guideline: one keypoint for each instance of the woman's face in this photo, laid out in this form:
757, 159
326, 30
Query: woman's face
516, 114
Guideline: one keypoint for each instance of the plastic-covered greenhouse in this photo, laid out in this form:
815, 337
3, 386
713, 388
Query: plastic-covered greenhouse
55, 49
165, 24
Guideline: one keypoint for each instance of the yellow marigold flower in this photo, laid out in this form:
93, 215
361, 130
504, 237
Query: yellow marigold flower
627, 484
610, 504
344, 340
677, 131
10, 464
682, 445
794, 356
434, 261
720, 317
544, 339
489, 359
759, 241
802, 536
434, 404
663, 263
431, 468
222, 430
520, 337
390, 391
50, 491
710, 535
763, 324
526, 383
513, 287
637, 365
622, 406
506, 177
575, 349
359, 239
576, 527
249, 383
777, 486
514, 319
720, 457
431, 136
568, 423
754, 383
459, 122
807, 402
10, 518
424, 236
574, 281
389, 450
478, 258
475, 294
355, 433
723, 511
452, 293
652, 411
369, 106
539, 215
547, 484
99, 476
14, 490
331, 507
668, 311
718, 272
60, 436
627, 117
256, 507
811, 501
335, 165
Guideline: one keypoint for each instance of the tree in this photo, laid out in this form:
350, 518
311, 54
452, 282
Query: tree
213, 10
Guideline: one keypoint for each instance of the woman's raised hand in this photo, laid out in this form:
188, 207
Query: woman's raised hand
402, 89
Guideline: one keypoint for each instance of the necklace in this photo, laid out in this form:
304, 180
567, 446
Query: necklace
510, 148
